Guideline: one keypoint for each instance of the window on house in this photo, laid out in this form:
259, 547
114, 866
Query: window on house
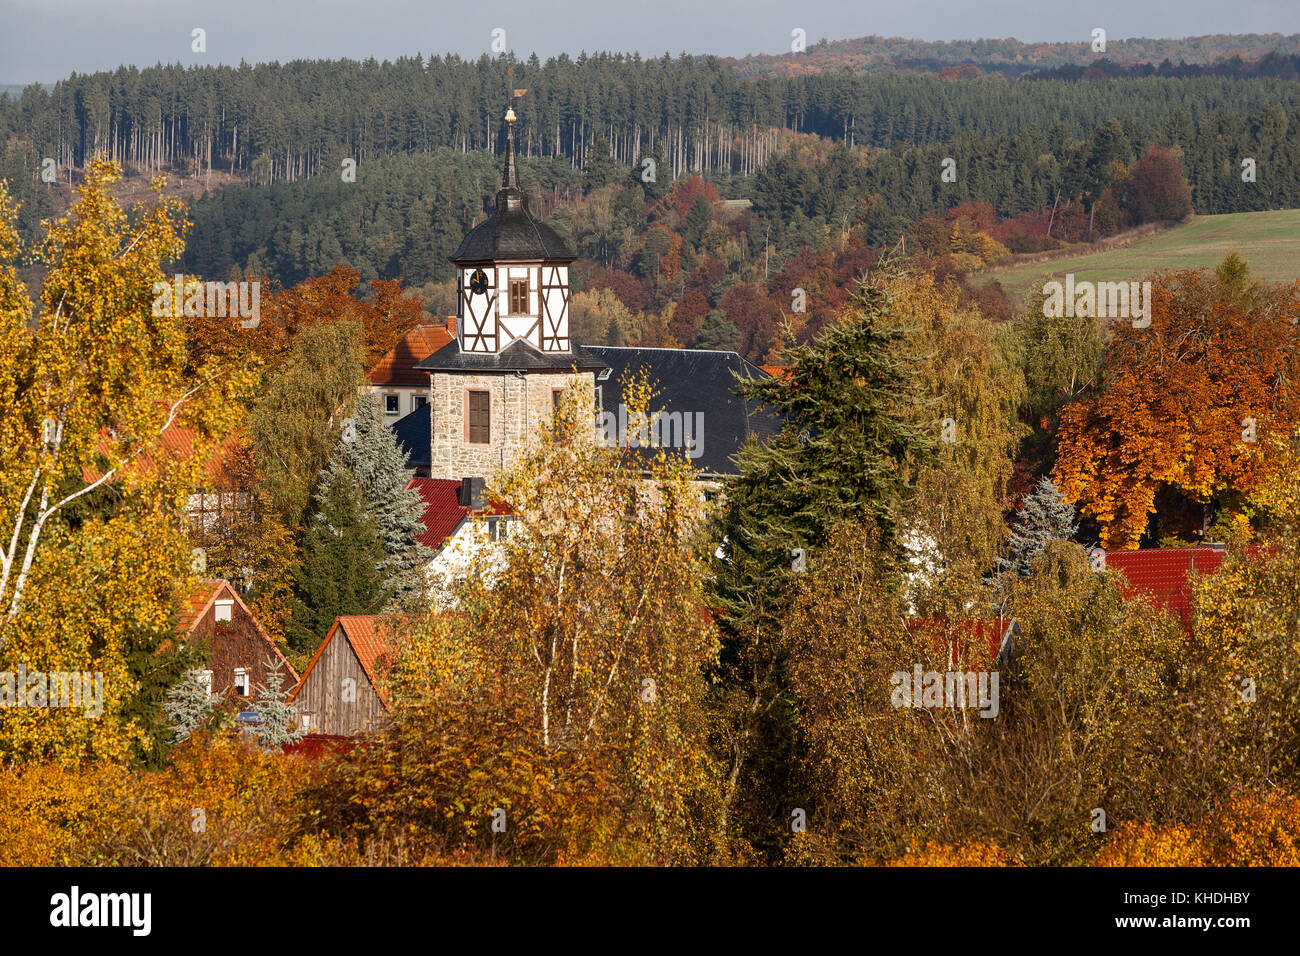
479, 411
306, 720
205, 678
392, 404
419, 401
518, 296
498, 528
557, 396
241, 681
223, 610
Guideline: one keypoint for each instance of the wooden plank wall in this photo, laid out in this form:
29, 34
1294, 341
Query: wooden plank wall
323, 693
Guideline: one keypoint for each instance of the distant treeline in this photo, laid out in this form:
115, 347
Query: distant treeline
876, 54
402, 218
800, 198
287, 122
1274, 64
405, 215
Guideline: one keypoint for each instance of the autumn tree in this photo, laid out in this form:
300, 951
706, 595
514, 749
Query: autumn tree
298, 421
567, 690
969, 389
248, 541
1185, 403
384, 318
86, 393
757, 318
1092, 679
599, 318
1156, 188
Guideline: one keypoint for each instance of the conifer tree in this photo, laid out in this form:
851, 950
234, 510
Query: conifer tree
368, 452
279, 724
1044, 517
189, 705
340, 571
849, 451
717, 332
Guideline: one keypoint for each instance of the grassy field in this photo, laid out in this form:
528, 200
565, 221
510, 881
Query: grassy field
1269, 241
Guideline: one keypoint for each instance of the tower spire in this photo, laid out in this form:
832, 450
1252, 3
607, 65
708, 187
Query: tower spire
510, 179
510, 198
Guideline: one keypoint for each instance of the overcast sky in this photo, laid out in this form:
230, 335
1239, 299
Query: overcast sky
45, 40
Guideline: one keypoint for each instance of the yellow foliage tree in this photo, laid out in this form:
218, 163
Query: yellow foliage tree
87, 391
566, 690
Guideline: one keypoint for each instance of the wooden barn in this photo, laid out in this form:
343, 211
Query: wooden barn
341, 690
237, 648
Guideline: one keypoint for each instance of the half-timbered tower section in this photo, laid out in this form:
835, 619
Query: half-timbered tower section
498, 382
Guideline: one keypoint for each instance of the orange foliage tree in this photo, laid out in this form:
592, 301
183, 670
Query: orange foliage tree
1251, 831
1187, 401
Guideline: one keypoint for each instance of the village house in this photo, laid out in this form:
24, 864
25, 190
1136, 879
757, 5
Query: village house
240, 655
401, 388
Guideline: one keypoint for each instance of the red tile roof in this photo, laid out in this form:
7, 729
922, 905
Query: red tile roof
443, 511
371, 638
778, 371
1162, 574
176, 444
989, 631
317, 745
197, 602
397, 367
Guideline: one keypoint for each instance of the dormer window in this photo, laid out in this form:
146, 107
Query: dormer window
519, 297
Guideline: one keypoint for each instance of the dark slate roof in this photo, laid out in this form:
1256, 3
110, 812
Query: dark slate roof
413, 437
693, 381
511, 233
518, 356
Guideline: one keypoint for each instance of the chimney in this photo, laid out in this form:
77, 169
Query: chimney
472, 495
451, 326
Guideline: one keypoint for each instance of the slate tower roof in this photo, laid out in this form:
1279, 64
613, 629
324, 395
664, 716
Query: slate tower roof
511, 233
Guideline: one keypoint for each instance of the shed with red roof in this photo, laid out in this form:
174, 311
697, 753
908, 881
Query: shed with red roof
342, 690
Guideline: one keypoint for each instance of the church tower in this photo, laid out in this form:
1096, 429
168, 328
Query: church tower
499, 381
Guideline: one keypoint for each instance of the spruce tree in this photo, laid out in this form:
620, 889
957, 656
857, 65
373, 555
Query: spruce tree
189, 705
341, 564
1044, 517
279, 723
848, 452
717, 332
369, 453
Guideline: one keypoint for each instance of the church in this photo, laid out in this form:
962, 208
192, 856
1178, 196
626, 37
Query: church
500, 366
